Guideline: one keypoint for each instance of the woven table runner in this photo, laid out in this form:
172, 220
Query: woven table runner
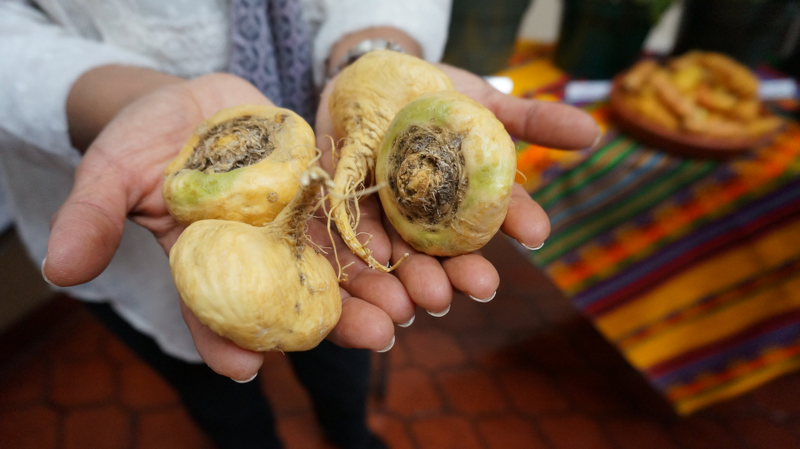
690, 267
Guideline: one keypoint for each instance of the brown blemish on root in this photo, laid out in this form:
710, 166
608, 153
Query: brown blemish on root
235, 143
426, 174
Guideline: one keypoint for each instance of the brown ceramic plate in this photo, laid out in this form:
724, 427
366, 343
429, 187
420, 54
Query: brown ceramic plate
691, 145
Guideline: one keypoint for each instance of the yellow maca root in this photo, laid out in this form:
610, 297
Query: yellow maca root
449, 167
242, 164
366, 97
262, 287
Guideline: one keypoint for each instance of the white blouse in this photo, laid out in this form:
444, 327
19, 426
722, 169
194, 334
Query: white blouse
46, 47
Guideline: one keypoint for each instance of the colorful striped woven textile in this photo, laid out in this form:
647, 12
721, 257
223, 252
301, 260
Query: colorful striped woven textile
690, 267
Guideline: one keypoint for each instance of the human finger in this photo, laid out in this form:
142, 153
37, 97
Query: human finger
473, 275
370, 230
384, 291
87, 229
325, 132
555, 125
220, 354
422, 276
380, 289
525, 220
362, 325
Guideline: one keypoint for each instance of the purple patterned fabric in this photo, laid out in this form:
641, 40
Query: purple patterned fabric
271, 49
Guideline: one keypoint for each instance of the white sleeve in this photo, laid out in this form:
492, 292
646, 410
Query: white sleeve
39, 62
426, 21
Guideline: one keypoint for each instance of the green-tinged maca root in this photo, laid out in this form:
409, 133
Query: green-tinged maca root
365, 99
242, 164
262, 287
448, 166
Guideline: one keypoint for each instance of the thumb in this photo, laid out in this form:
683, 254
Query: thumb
555, 125
86, 231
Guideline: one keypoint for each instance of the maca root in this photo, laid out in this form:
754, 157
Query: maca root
426, 175
243, 163
236, 143
366, 97
262, 287
449, 165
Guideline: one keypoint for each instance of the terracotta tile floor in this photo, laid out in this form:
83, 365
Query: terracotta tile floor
523, 371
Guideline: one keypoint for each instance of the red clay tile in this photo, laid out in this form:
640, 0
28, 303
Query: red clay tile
106, 427
142, 388
301, 431
532, 392
411, 391
30, 428
24, 386
591, 392
81, 383
700, 433
637, 433
761, 433
391, 430
38, 329
795, 427
557, 384
490, 348
398, 355
286, 394
379, 376
433, 349
445, 432
509, 432
85, 340
472, 392
118, 352
169, 429
574, 431
782, 394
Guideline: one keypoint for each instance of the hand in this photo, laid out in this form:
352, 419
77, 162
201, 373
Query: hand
428, 281
120, 177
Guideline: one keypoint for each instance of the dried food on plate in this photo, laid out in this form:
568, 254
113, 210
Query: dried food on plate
698, 104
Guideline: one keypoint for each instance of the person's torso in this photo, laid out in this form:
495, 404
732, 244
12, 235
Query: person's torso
185, 37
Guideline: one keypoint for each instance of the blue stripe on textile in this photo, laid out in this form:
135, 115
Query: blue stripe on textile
724, 224
607, 193
747, 350
791, 266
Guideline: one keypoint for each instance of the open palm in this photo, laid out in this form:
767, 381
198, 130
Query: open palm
120, 177
429, 282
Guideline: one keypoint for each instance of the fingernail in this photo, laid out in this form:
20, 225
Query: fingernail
245, 381
532, 248
388, 347
43, 275
484, 300
440, 314
408, 323
598, 138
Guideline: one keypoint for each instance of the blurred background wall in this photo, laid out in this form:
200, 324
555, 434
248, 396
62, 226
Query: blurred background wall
482, 33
